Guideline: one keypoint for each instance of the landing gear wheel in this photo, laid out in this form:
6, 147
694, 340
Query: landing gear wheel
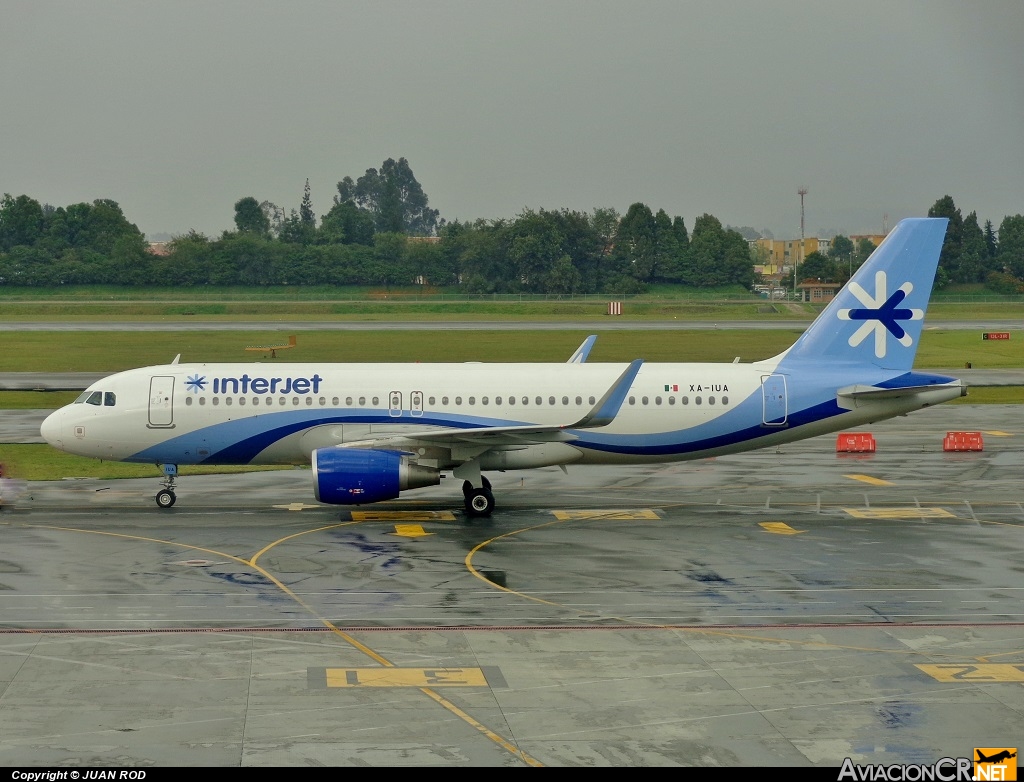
479, 502
165, 498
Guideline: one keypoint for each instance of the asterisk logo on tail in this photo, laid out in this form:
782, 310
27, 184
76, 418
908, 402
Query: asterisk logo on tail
881, 314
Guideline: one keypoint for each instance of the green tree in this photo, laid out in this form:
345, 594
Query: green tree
306, 215
393, 197
818, 267
250, 217
718, 256
389, 266
346, 223
974, 261
636, 243
535, 242
949, 258
21, 221
842, 251
1011, 246
187, 262
564, 277
274, 215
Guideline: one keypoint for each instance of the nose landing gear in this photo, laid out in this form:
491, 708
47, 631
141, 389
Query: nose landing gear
165, 497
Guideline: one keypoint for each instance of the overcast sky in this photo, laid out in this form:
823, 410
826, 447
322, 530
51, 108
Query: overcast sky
177, 109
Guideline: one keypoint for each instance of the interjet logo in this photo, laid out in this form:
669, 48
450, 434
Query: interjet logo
881, 314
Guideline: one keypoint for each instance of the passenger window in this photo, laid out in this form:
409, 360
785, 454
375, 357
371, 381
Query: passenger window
685, 400
592, 401
109, 399
362, 401
551, 400
309, 401
483, 400
671, 400
227, 401
295, 401
565, 400
430, 401
725, 400
579, 400
241, 401
444, 400
376, 401
458, 400
711, 400
188, 401
202, 401
644, 400
472, 400
216, 401
511, 400
657, 400
539, 400
632, 400
95, 398
696, 400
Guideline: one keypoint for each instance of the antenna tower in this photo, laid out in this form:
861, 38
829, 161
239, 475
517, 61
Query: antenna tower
802, 191
800, 256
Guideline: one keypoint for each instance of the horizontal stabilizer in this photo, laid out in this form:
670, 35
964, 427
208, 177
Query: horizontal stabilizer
867, 393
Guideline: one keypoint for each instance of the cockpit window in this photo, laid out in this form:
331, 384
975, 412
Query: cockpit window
82, 397
109, 399
95, 398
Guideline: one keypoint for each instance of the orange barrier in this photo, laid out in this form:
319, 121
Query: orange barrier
963, 441
855, 442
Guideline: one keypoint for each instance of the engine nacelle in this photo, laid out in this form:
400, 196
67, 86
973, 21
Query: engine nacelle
353, 476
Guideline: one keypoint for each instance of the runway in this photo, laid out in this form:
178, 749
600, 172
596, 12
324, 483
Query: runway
609, 324
789, 607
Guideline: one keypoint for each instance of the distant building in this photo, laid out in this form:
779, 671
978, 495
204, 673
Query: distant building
875, 239
783, 253
817, 292
159, 248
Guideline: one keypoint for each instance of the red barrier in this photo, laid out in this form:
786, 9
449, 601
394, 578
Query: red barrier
855, 442
963, 441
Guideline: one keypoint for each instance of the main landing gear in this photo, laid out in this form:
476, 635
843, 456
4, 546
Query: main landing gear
479, 502
165, 497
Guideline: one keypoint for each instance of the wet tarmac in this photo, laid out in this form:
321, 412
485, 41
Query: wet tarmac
789, 607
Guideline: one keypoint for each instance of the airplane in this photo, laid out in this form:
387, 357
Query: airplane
371, 431
999, 756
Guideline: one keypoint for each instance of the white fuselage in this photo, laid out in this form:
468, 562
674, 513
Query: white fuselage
281, 413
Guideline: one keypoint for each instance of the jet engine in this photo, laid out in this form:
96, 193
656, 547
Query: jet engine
354, 476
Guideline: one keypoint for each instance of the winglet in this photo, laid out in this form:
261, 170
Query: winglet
580, 356
607, 407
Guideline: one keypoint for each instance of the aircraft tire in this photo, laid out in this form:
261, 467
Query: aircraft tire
479, 502
165, 498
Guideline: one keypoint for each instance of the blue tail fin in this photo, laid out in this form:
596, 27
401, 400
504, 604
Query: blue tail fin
877, 317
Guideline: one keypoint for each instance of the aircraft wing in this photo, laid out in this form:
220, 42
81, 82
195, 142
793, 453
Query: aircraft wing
484, 437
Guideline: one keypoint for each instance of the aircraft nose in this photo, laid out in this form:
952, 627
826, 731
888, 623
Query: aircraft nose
51, 429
